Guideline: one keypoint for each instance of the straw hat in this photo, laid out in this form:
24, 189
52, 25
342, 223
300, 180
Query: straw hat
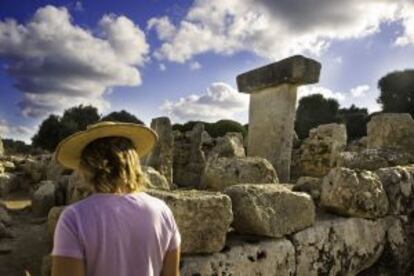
68, 152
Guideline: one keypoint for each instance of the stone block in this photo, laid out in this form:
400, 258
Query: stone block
354, 193
154, 179
241, 257
338, 246
270, 209
295, 70
44, 198
203, 218
391, 131
398, 182
224, 172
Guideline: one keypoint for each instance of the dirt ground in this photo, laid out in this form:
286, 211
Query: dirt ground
30, 242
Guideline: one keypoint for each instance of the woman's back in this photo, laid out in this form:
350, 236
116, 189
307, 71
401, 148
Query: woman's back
126, 234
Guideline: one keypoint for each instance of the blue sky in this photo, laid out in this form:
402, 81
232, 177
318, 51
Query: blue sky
180, 58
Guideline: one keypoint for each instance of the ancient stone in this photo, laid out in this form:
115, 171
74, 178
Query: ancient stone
338, 246
203, 218
223, 172
161, 156
270, 209
52, 219
1, 147
4, 215
46, 269
8, 166
310, 185
155, 180
230, 145
354, 193
319, 152
189, 159
373, 159
397, 256
44, 198
398, 182
76, 189
391, 131
4, 231
273, 90
54, 171
255, 257
8, 183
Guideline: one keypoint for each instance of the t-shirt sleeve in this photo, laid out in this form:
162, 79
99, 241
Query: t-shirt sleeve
66, 242
175, 240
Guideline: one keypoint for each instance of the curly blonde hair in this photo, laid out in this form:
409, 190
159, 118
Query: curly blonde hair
111, 165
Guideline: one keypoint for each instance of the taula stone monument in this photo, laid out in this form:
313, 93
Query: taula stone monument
273, 90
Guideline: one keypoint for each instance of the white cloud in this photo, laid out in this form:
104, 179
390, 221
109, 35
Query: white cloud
359, 91
304, 91
162, 67
220, 101
276, 29
15, 132
57, 64
195, 65
406, 13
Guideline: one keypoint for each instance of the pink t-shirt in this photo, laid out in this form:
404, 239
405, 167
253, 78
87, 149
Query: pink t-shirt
121, 235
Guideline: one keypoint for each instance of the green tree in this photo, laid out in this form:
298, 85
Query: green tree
54, 129
397, 92
122, 116
49, 133
217, 129
315, 110
355, 120
78, 118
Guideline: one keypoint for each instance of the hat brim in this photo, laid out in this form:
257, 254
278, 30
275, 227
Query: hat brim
69, 150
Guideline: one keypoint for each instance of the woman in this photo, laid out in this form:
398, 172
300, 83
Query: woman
119, 230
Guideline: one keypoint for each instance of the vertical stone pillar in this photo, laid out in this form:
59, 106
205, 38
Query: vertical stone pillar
272, 109
161, 156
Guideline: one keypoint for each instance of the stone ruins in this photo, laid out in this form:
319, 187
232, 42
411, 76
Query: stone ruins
314, 207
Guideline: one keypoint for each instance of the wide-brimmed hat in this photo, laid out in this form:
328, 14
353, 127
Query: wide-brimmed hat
69, 150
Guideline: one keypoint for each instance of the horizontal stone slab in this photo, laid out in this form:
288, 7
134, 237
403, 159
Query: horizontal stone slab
244, 257
270, 210
203, 218
338, 246
293, 70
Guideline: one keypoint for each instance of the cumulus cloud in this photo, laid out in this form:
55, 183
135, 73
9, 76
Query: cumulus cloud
195, 65
219, 101
359, 91
57, 64
15, 132
276, 29
304, 91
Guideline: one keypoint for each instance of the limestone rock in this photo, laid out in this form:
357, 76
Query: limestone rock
319, 152
391, 131
398, 183
310, 185
8, 183
46, 269
53, 218
8, 166
262, 257
203, 218
76, 189
270, 209
373, 159
189, 159
44, 198
338, 246
230, 145
1, 147
155, 180
398, 253
223, 172
354, 193
161, 156
4, 215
